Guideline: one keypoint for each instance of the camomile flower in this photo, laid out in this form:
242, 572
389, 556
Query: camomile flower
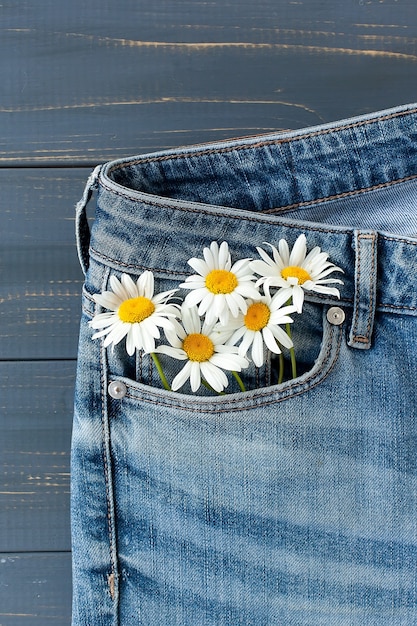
219, 288
204, 351
134, 312
296, 272
260, 327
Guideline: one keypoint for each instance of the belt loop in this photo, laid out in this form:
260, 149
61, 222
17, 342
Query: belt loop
364, 304
81, 222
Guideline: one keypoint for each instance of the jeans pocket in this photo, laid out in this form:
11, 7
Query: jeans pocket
318, 354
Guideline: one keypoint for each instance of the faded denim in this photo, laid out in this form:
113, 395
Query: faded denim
291, 504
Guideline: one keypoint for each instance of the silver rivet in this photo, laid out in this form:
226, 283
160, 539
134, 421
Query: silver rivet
117, 389
336, 315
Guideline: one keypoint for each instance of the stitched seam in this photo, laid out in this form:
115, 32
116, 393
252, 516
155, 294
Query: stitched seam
338, 196
270, 142
304, 387
355, 336
104, 452
201, 211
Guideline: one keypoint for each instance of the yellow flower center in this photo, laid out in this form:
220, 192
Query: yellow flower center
221, 281
293, 271
198, 347
257, 316
136, 310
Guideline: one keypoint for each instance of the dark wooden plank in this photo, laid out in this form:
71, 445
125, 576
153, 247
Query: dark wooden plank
40, 277
36, 404
84, 82
35, 589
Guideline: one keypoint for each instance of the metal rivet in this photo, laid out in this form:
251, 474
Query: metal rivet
117, 389
336, 315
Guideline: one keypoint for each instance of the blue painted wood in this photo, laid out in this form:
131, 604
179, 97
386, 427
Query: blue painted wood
84, 82
35, 426
35, 589
40, 276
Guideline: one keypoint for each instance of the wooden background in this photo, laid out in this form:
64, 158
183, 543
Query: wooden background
83, 82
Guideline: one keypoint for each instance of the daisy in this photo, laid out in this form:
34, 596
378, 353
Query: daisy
261, 326
296, 272
134, 312
219, 288
204, 351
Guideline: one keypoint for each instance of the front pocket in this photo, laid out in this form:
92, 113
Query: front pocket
309, 378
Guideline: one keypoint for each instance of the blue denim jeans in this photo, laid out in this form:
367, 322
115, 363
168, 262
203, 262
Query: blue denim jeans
288, 504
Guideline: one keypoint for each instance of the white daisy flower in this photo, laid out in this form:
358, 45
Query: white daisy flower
260, 327
219, 288
204, 350
296, 272
134, 312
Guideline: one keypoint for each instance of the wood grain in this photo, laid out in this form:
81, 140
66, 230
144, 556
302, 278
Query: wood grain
85, 82
40, 277
35, 589
90, 82
36, 400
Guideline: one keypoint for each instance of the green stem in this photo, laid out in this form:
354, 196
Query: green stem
292, 353
239, 381
160, 371
281, 368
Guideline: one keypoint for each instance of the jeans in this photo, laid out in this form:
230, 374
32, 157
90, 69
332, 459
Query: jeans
287, 504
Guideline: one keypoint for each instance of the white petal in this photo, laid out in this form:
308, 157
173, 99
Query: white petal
137, 335
102, 320
118, 288
190, 320
270, 340
330, 291
232, 304
106, 331
219, 304
130, 343
129, 285
246, 342
116, 334
149, 327
163, 297
299, 251
258, 350
107, 300
281, 336
210, 261
248, 290
241, 268
215, 377
282, 296
237, 335
298, 298
194, 297
214, 249
175, 353
263, 269
195, 377
284, 252
224, 256
265, 256
181, 377
231, 362
200, 266
205, 306
145, 284
148, 343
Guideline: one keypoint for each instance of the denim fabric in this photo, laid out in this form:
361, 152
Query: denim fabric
291, 504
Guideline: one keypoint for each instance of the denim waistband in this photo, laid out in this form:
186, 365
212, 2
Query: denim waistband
348, 186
